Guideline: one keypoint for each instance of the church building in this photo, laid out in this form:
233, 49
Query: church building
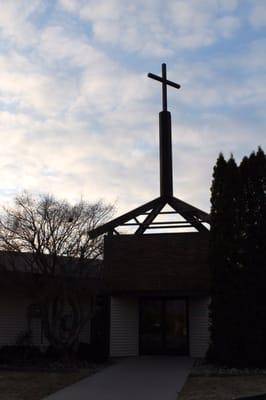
156, 267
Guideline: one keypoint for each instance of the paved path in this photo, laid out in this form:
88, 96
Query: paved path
142, 378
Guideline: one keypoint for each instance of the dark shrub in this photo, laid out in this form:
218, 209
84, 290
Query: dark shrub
84, 352
18, 354
55, 354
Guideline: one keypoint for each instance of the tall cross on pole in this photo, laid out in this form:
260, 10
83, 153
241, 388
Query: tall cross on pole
165, 132
165, 82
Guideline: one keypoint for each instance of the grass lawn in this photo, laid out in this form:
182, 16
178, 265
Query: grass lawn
222, 387
36, 385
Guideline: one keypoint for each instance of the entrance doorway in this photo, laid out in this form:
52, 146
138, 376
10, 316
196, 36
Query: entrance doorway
163, 326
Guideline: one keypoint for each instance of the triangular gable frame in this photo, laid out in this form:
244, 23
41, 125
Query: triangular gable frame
193, 217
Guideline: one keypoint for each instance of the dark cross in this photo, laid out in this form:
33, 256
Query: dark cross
165, 82
165, 137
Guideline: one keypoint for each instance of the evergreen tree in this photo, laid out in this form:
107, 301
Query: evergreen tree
238, 261
253, 253
223, 238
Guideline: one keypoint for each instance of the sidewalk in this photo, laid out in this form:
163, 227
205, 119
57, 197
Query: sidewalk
142, 378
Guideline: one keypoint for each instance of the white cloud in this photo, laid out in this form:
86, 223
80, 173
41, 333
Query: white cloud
14, 21
56, 44
228, 5
79, 117
228, 25
153, 28
258, 14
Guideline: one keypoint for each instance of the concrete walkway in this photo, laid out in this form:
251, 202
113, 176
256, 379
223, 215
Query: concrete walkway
142, 378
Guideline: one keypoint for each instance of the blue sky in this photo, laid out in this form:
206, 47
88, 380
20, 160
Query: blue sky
79, 117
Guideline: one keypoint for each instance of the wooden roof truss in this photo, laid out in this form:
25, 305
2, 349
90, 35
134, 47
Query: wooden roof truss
152, 217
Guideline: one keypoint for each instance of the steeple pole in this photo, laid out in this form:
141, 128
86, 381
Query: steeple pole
166, 168
165, 137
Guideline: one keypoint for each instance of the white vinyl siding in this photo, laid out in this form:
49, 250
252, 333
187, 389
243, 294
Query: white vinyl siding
198, 326
13, 318
124, 328
13, 321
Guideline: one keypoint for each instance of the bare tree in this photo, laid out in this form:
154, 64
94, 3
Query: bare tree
52, 239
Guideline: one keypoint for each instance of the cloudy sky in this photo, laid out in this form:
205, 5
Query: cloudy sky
79, 117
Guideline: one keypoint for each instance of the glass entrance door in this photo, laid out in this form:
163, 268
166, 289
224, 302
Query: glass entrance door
163, 326
151, 334
176, 326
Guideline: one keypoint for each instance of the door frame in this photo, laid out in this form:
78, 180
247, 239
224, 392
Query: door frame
163, 299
